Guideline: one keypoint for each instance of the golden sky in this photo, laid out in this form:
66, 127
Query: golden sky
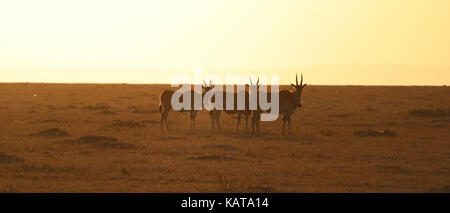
140, 41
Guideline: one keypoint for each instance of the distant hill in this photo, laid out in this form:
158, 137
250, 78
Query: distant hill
377, 74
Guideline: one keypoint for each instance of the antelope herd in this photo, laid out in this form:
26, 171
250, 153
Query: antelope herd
289, 101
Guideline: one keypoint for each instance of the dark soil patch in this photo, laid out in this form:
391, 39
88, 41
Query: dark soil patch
374, 133
51, 121
340, 115
125, 97
52, 107
127, 124
97, 107
4, 158
107, 112
212, 157
142, 111
327, 132
51, 133
150, 121
432, 112
369, 109
101, 142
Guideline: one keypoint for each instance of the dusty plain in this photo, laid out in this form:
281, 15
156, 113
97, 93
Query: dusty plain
107, 138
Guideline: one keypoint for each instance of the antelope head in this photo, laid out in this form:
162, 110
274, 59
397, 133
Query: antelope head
206, 86
251, 84
298, 89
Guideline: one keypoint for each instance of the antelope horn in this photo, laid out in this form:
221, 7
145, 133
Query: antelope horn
251, 83
257, 83
301, 79
296, 79
210, 82
205, 83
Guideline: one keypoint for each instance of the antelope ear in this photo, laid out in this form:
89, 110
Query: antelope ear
292, 85
304, 85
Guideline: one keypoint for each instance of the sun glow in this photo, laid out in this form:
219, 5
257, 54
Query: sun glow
149, 41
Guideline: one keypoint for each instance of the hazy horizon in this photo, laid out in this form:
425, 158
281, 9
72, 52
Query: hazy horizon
373, 75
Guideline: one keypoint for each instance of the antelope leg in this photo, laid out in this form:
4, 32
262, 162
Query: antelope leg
257, 126
289, 125
246, 121
238, 120
218, 124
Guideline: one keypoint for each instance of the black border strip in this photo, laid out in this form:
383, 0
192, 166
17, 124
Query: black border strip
173, 201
